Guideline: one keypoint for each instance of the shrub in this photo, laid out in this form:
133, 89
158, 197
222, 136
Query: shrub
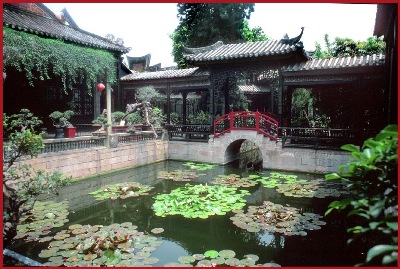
22, 185
372, 177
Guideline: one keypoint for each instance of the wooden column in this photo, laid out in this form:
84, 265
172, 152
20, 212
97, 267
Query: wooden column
184, 96
168, 103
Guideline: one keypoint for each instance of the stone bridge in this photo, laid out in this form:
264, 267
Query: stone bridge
226, 148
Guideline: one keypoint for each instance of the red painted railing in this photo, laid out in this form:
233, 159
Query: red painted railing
246, 120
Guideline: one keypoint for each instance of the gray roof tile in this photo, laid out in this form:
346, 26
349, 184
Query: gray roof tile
253, 89
36, 24
220, 51
178, 73
339, 62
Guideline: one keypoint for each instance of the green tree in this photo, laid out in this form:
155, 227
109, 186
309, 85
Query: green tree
373, 207
344, 47
23, 184
253, 35
204, 24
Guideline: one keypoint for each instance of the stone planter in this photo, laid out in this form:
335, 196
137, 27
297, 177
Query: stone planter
59, 133
69, 132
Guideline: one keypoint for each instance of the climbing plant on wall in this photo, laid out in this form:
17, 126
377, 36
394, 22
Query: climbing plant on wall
42, 58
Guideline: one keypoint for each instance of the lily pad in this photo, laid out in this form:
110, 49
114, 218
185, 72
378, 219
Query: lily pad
110, 246
278, 219
121, 190
186, 259
179, 175
234, 180
199, 201
211, 253
38, 222
157, 230
199, 166
227, 253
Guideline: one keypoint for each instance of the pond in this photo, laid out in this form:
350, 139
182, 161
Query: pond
287, 228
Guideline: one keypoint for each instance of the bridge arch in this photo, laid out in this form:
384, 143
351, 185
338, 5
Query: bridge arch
233, 141
244, 153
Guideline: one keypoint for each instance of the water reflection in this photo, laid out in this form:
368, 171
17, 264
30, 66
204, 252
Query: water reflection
184, 236
250, 157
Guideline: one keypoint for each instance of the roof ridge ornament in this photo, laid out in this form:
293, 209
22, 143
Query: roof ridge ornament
203, 49
292, 41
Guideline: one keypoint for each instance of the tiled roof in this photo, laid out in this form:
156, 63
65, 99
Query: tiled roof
179, 73
253, 89
340, 62
220, 52
36, 24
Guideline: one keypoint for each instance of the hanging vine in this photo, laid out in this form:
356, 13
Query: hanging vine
40, 58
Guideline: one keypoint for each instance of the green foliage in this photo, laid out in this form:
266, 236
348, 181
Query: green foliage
117, 116
372, 177
200, 118
22, 185
134, 118
121, 190
345, 47
174, 117
179, 40
157, 117
238, 100
202, 24
21, 121
60, 119
199, 201
22, 138
149, 94
101, 119
253, 35
41, 58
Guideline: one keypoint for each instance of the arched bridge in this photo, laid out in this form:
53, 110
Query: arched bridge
264, 124
232, 129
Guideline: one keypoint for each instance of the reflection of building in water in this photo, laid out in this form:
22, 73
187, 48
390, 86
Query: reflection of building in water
271, 240
250, 156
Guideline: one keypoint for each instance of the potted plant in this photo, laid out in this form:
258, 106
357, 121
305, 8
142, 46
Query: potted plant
116, 124
61, 121
134, 121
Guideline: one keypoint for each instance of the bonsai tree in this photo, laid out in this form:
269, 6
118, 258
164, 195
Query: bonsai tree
157, 117
144, 97
117, 116
23, 184
60, 119
134, 118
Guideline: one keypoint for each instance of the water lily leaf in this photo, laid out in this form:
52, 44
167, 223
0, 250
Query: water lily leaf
247, 262
252, 256
157, 230
227, 253
205, 263
232, 262
218, 260
151, 260
198, 256
186, 259
211, 253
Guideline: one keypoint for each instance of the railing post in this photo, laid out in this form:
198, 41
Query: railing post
231, 119
257, 121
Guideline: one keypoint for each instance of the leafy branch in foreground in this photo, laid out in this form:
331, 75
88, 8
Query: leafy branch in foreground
21, 183
372, 177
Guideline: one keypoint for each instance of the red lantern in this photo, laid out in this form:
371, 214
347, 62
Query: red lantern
100, 87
